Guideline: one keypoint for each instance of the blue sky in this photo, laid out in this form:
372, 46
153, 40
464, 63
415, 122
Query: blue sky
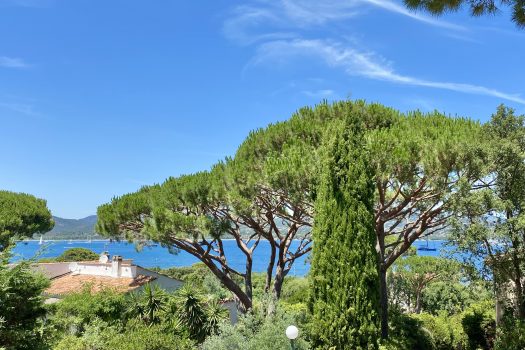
98, 98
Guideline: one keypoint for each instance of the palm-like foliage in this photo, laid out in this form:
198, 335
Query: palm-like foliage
215, 314
149, 304
191, 312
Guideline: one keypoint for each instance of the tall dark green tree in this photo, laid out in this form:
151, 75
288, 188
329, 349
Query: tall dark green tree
22, 215
345, 282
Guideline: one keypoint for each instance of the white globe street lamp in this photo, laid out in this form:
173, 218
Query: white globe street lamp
292, 333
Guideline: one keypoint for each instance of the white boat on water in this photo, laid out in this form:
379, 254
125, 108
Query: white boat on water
41, 240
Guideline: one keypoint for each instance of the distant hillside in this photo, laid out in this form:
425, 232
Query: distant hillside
72, 228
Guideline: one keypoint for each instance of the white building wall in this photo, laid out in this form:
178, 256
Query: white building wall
103, 270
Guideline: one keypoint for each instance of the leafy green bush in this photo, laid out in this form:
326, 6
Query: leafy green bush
77, 254
73, 254
21, 306
255, 332
200, 277
73, 313
450, 297
407, 333
135, 336
295, 290
510, 335
453, 297
112, 320
446, 331
479, 324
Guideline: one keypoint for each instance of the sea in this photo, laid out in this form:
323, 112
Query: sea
158, 256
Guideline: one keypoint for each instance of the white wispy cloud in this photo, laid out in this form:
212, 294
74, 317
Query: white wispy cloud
396, 8
245, 22
361, 63
312, 12
244, 26
21, 108
11, 62
319, 94
277, 31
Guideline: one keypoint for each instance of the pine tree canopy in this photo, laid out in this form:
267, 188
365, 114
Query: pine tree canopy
421, 163
22, 215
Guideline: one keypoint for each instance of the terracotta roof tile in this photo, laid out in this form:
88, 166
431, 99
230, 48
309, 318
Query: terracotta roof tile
74, 283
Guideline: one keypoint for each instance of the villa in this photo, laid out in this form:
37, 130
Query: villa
116, 273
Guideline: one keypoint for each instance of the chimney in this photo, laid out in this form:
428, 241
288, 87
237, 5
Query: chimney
116, 266
104, 257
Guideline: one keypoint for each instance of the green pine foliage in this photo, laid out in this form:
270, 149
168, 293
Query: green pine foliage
344, 275
22, 215
22, 309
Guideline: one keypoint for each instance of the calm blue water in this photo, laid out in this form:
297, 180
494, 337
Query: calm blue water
160, 257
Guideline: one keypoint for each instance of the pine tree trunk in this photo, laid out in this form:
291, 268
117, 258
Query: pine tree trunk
248, 287
276, 290
269, 270
383, 294
278, 283
418, 302
243, 301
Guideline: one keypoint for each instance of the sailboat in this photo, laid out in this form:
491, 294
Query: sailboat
41, 240
427, 248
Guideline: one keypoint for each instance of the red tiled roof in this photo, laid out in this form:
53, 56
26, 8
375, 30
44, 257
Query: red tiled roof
74, 283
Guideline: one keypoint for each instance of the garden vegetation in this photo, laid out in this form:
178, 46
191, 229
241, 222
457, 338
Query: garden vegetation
356, 185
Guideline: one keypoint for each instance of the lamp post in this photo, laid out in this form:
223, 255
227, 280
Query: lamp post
292, 333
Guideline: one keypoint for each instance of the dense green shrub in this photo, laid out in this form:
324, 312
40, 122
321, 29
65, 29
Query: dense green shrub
21, 306
77, 254
135, 336
453, 297
510, 335
295, 290
73, 254
446, 331
407, 333
450, 297
95, 321
76, 311
479, 324
256, 332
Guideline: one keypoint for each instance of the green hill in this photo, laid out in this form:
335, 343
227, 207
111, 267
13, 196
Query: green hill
72, 228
